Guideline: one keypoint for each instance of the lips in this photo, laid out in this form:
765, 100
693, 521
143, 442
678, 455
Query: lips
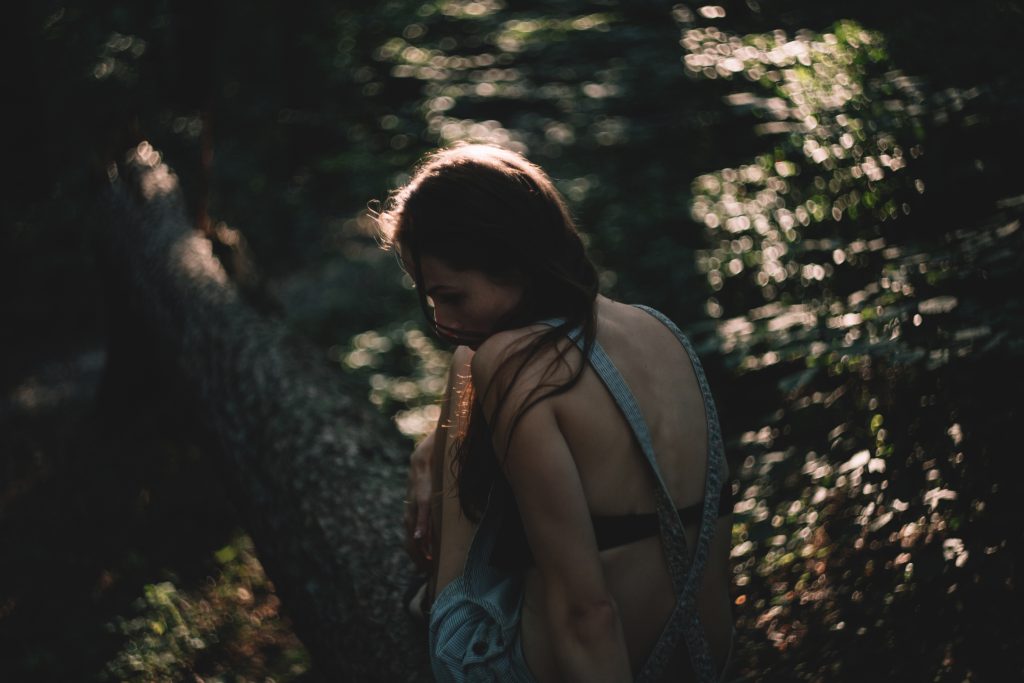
460, 337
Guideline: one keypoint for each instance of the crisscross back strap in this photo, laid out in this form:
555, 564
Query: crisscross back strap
717, 468
684, 615
684, 573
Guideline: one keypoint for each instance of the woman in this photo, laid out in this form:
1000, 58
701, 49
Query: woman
581, 532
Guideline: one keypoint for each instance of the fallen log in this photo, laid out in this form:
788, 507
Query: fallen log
317, 472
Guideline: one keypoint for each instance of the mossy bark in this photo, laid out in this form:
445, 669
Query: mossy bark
317, 473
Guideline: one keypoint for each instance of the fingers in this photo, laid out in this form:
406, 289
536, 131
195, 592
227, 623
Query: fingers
416, 514
428, 543
418, 534
422, 532
422, 519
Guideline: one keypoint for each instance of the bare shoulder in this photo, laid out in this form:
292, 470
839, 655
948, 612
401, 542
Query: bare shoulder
461, 355
498, 347
459, 369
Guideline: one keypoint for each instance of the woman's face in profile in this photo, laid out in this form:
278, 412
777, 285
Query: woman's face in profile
467, 301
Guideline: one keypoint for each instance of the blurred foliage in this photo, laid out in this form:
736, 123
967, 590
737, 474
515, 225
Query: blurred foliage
869, 509
414, 377
825, 195
222, 632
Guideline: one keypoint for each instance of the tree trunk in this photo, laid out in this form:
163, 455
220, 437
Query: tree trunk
318, 473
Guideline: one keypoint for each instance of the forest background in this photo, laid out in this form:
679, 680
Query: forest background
824, 195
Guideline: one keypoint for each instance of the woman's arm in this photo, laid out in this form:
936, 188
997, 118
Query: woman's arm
587, 635
424, 480
453, 532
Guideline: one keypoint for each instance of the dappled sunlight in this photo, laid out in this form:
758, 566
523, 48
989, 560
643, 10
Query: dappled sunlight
844, 507
497, 64
809, 216
194, 254
853, 496
836, 161
157, 178
118, 58
406, 371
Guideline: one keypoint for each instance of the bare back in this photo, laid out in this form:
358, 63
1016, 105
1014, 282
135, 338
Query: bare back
617, 481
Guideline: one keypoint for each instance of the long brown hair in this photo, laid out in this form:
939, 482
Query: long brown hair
479, 207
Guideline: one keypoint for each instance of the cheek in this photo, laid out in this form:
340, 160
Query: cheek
475, 317
496, 308
468, 315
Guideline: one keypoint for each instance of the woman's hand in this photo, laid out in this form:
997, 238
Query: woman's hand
416, 518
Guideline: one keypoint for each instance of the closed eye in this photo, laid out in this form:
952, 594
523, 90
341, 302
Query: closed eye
447, 299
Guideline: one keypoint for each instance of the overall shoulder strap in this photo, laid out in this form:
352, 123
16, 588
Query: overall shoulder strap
717, 471
716, 448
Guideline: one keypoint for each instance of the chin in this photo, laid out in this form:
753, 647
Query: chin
472, 342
